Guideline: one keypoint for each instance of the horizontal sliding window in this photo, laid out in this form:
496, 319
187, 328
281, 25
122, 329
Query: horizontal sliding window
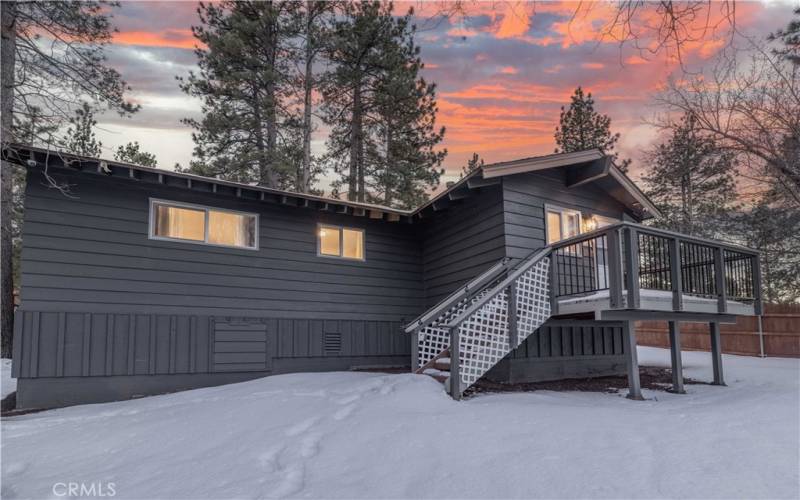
199, 224
335, 241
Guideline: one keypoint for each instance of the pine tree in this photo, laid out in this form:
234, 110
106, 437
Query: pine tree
80, 138
789, 37
243, 81
472, 164
314, 18
691, 180
407, 162
581, 128
382, 115
53, 56
132, 153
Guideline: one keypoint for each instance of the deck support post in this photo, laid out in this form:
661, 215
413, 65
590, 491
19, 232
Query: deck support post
675, 352
632, 361
415, 350
455, 375
716, 353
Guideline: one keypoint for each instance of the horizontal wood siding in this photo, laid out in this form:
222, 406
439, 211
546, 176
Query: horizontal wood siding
91, 251
74, 344
525, 197
462, 241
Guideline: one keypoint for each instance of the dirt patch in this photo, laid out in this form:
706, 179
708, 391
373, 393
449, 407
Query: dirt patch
659, 379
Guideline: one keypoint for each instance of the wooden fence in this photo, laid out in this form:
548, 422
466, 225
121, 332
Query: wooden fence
780, 325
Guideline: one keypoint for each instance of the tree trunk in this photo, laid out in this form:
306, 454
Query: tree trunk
8, 51
305, 178
263, 164
272, 115
356, 157
387, 190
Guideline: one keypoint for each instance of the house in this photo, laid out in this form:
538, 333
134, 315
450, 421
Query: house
142, 281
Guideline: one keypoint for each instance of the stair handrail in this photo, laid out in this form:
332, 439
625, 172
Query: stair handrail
528, 262
474, 285
511, 278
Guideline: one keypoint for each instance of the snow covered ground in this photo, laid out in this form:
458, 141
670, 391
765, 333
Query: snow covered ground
7, 384
357, 435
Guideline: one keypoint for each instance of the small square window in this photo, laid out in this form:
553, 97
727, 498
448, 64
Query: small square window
329, 238
335, 241
352, 244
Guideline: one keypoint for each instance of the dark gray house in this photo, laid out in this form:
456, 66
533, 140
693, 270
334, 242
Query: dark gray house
143, 281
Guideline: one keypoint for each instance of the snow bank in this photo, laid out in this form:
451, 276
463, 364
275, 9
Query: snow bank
367, 435
7, 384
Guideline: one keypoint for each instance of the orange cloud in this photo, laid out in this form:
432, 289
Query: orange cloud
591, 65
509, 70
515, 21
176, 38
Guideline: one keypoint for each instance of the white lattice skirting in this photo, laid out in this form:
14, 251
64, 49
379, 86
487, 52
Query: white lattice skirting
484, 337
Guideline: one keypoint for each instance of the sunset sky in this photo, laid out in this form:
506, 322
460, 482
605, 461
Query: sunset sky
503, 72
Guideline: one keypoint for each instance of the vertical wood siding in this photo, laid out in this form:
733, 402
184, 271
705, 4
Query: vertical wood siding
74, 344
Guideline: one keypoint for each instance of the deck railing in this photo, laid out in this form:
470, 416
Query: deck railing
625, 258
478, 325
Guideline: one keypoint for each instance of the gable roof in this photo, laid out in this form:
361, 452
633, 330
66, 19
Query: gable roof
583, 167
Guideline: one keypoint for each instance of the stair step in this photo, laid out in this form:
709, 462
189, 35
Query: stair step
442, 365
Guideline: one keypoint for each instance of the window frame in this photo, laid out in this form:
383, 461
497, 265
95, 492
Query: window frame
205, 208
341, 229
561, 211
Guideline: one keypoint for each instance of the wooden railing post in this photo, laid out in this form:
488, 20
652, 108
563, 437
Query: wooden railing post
553, 283
513, 333
675, 274
614, 269
632, 267
719, 279
455, 375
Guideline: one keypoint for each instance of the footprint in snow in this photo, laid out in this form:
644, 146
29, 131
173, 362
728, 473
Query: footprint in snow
349, 399
343, 413
269, 459
302, 426
293, 481
309, 445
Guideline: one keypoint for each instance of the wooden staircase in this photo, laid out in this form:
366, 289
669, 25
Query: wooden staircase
464, 336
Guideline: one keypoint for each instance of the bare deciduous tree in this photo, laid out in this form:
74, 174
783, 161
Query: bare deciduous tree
752, 108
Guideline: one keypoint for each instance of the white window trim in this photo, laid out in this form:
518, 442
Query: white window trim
561, 211
205, 209
341, 229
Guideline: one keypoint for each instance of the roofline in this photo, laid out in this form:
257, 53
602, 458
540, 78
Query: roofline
540, 163
555, 160
182, 175
634, 190
491, 171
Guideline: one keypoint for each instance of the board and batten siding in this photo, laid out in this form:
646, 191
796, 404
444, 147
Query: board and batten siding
99, 298
460, 243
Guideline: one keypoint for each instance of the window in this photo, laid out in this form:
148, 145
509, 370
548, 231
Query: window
335, 241
562, 224
198, 224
